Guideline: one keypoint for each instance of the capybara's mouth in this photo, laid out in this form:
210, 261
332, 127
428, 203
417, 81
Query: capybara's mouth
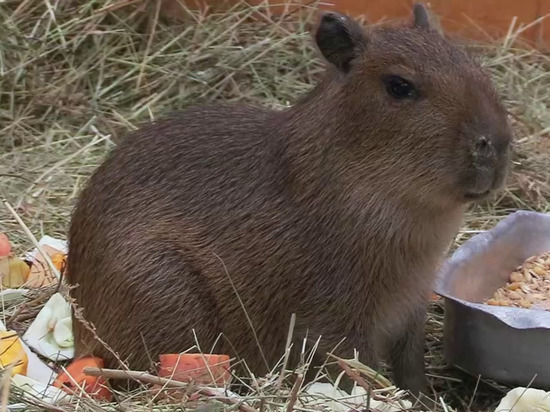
477, 196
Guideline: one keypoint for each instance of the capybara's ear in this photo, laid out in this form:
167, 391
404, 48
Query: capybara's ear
420, 17
340, 39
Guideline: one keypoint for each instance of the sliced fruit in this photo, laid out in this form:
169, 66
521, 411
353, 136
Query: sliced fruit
14, 272
12, 353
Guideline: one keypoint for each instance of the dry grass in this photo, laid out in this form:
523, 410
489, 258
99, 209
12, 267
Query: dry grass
76, 75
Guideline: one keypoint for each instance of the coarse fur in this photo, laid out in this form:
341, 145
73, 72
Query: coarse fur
337, 209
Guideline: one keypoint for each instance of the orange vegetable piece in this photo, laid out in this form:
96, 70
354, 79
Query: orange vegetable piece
5, 246
92, 385
203, 369
58, 260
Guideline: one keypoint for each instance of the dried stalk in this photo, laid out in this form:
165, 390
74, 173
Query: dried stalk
145, 377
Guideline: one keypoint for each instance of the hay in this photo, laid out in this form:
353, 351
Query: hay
77, 75
70, 86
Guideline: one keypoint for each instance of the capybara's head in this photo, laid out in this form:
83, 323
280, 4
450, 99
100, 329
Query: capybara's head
420, 114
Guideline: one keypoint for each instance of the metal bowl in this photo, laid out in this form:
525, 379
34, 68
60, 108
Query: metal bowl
509, 345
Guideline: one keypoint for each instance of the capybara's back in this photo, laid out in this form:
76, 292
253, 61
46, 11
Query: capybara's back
157, 220
214, 226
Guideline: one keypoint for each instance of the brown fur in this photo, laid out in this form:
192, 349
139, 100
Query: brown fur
336, 209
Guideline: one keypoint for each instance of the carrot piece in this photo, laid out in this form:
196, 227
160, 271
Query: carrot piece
59, 260
92, 385
203, 369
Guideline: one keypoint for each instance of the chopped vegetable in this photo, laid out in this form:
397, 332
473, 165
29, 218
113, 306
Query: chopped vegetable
12, 353
58, 260
92, 385
195, 367
524, 400
33, 390
51, 332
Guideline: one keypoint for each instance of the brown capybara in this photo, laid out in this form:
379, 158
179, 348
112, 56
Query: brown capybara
224, 220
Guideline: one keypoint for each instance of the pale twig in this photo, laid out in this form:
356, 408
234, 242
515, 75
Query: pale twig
357, 378
294, 393
287, 351
156, 380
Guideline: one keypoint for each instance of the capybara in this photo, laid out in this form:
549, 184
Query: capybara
220, 222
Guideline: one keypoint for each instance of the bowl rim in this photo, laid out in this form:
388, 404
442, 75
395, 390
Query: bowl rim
517, 318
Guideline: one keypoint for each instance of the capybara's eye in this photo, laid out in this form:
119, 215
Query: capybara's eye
399, 88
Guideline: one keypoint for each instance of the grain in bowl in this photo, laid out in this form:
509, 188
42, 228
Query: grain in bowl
528, 286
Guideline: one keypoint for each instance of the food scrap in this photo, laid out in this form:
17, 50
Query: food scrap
41, 275
528, 286
342, 401
74, 379
33, 270
5, 245
13, 271
200, 368
524, 400
33, 389
12, 353
51, 334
